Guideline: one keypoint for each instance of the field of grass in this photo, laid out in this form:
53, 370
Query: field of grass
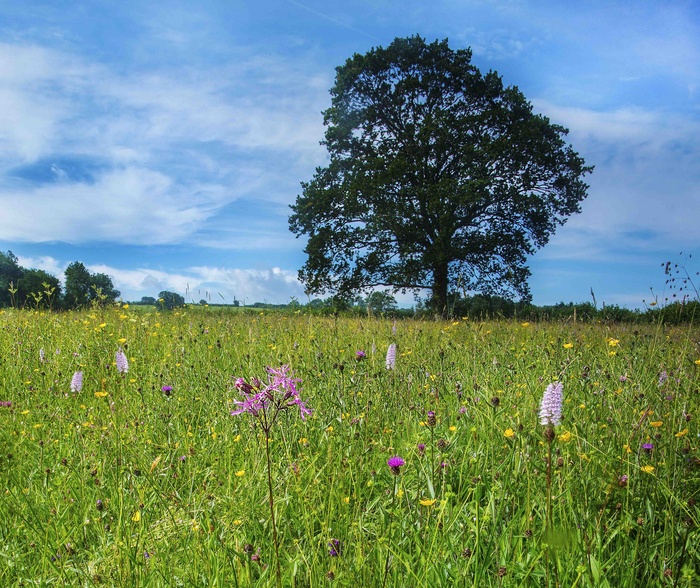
144, 478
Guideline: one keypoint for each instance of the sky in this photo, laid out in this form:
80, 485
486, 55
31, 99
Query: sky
163, 142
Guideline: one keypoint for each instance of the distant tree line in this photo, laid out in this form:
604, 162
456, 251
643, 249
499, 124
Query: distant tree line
34, 288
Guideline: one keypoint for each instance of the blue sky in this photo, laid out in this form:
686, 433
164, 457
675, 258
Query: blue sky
163, 142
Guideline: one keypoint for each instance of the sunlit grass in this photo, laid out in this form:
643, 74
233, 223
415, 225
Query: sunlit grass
130, 484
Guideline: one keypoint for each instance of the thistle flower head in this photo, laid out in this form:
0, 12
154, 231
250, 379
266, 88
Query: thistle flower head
76, 382
551, 405
391, 357
122, 362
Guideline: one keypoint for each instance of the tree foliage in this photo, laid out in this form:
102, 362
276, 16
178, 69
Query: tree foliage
82, 288
168, 300
37, 288
10, 273
439, 177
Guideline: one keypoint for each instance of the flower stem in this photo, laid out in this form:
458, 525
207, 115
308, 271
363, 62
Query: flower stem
278, 571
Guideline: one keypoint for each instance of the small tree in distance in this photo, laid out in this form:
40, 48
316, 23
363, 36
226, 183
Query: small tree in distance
169, 300
438, 176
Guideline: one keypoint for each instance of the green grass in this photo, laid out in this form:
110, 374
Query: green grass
132, 487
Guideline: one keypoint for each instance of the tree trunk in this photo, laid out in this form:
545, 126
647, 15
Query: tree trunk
440, 283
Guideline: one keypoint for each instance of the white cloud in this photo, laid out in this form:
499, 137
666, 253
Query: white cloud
214, 284
174, 146
643, 191
132, 205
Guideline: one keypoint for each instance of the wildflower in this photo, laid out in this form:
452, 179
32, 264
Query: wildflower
647, 469
427, 501
6, 403
334, 548
550, 408
240, 473
122, 362
99, 505
656, 424
568, 345
648, 447
509, 433
391, 357
565, 436
622, 481
421, 448
280, 393
167, 390
395, 464
682, 433
663, 376
431, 420
360, 355
76, 383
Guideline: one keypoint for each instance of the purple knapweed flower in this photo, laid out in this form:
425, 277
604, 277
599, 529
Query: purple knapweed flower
663, 376
622, 481
648, 447
421, 448
6, 403
395, 464
76, 382
360, 355
122, 362
550, 408
167, 390
391, 357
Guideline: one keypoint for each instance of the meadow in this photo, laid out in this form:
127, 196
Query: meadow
137, 474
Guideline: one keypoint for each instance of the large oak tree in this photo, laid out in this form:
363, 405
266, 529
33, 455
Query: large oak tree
439, 177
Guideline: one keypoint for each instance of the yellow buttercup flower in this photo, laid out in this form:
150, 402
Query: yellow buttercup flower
509, 433
240, 473
565, 436
647, 469
427, 501
656, 423
682, 433
137, 516
568, 345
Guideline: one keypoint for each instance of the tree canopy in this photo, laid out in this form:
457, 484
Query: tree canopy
439, 177
168, 300
84, 288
